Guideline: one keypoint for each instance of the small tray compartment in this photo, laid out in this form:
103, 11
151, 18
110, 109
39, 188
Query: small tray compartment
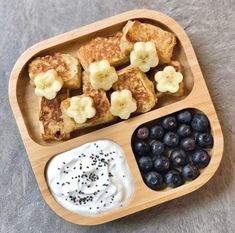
25, 108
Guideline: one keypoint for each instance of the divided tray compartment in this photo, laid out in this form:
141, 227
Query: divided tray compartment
25, 108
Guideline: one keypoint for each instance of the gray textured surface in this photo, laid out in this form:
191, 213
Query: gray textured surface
210, 26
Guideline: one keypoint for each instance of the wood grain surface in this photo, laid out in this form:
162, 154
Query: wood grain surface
209, 209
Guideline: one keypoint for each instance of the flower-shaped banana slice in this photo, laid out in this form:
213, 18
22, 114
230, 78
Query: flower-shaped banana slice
48, 84
81, 108
122, 104
144, 56
168, 80
102, 75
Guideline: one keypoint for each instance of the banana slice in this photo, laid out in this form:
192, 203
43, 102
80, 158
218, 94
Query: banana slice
122, 104
48, 84
102, 75
144, 56
168, 80
81, 108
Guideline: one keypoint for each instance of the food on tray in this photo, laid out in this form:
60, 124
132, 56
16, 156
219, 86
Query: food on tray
144, 56
50, 117
173, 149
168, 80
102, 48
130, 88
66, 66
135, 31
122, 104
102, 75
101, 105
91, 179
81, 108
142, 89
48, 84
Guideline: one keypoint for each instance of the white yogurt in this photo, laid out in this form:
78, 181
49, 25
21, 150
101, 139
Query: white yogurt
91, 179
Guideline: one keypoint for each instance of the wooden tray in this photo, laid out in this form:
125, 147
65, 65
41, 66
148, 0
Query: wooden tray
25, 108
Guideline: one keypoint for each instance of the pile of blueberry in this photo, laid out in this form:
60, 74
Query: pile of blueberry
171, 150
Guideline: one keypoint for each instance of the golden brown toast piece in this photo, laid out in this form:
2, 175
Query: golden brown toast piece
101, 104
142, 89
50, 117
67, 67
100, 48
135, 31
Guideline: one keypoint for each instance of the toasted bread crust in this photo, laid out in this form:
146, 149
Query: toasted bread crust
50, 117
101, 104
63, 64
135, 31
142, 89
100, 48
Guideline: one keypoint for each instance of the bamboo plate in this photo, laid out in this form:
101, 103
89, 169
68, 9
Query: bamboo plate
25, 108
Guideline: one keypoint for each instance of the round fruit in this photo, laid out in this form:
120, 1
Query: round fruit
169, 123
154, 180
173, 178
205, 140
145, 163
184, 116
178, 157
188, 144
184, 130
161, 164
142, 133
171, 139
200, 158
157, 147
200, 122
141, 148
156, 132
190, 172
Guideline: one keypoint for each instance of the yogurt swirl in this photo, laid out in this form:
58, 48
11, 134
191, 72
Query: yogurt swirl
91, 179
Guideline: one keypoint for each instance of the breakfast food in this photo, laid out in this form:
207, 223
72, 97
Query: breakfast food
144, 56
102, 75
142, 89
66, 66
100, 103
104, 91
173, 149
48, 84
102, 48
169, 81
135, 31
91, 179
122, 104
50, 117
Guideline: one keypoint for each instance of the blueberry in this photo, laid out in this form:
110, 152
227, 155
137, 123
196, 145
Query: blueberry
154, 180
161, 164
142, 133
156, 132
178, 157
190, 172
200, 122
200, 158
188, 144
184, 130
169, 123
145, 163
141, 148
171, 139
173, 178
205, 140
157, 147
184, 116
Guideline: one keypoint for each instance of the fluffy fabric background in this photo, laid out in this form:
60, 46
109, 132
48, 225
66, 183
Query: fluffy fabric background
211, 28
